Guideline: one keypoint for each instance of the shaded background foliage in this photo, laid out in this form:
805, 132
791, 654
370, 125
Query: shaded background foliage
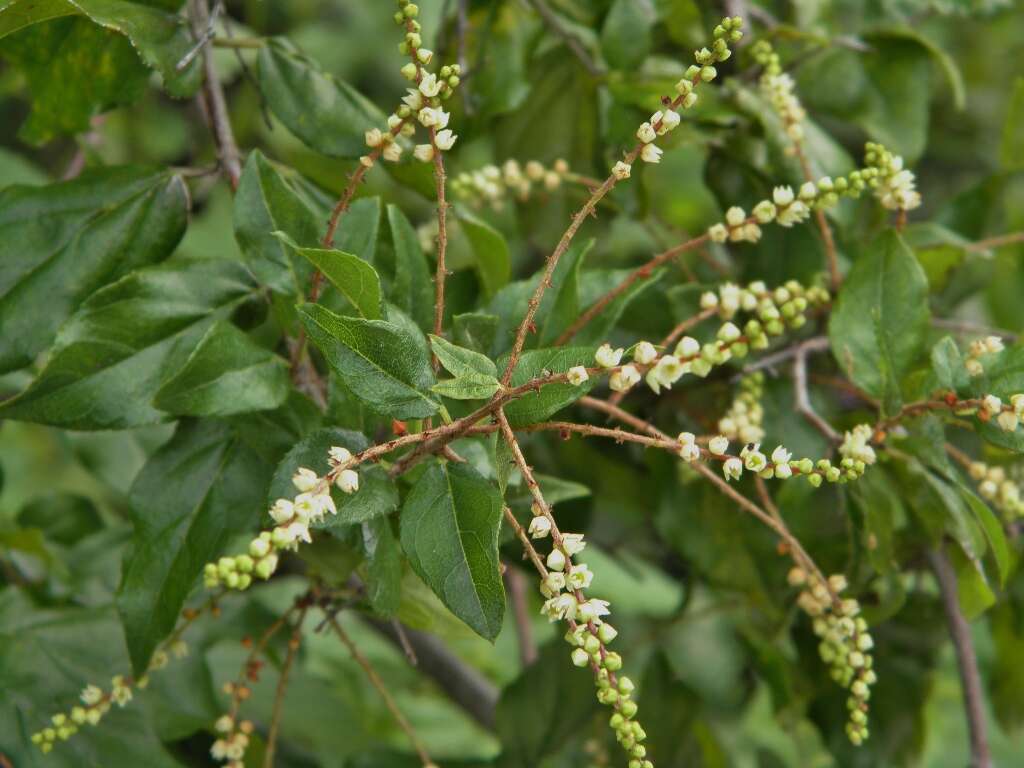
730, 678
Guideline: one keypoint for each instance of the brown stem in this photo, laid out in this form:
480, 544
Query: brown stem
385, 694
967, 329
516, 587
214, 103
817, 344
967, 662
574, 44
282, 687
642, 271
803, 399
823, 226
442, 240
997, 242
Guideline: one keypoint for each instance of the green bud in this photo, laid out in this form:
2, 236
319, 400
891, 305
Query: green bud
591, 645
411, 11
628, 708
606, 633
613, 662
580, 657
814, 480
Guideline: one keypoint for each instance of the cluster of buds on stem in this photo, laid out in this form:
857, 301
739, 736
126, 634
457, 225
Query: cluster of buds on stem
1007, 416
96, 702
745, 417
667, 119
780, 465
562, 585
232, 741
845, 642
893, 185
774, 309
1002, 491
493, 185
779, 89
292, 518
980, 348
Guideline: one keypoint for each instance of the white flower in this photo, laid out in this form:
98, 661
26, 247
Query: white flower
783, 471
91, 695
592, 610
708, 300
764, 212
993, 344
577, 375
793, 214
607, 357
974, 366
754, 460
781, 456
624, 379
735, 216
732, 468
305, 479
729, 333
306, 508
348, 481
645, 353
1007, 421
669, 120
556, 560
580, 577
1017, 401
688, 448
374, 137
991, 405
424, 153
392, 152
282, 510
732, 296
687, 347
413, 99
224, 724
719, 445
424, 55
621, 170
782, 196
855, 444
445, 139
540, 527
552, 584
668, 370
718, 233
563, 606
338, 455
573, 543
646, 133
430, 86
651, 153
808, 191
259, 547
299, 531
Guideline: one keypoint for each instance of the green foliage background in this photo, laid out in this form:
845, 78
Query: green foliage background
729, 675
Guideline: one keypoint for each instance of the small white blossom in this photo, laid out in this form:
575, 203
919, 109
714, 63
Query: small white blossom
708, 300
338, 455
577, 375
392, 152
688, 448
424, 153
645, 353
305, 479
445, 139
621, 170
732, 468
348, 481
282, 510
1007, 421
592, 610
669, 121
735, 216
540, 527
668, 370
651, 153
781, 456
687, 347
556, 560
374, 137
573, 543
607, 357
563, 606
413, 99
718, 233
782, 196
430, 86
719, 445
646, 133
580, 577
624, 379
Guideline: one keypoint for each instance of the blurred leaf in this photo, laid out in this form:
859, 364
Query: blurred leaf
60, 243
626, 34
475, 330
1006, 681
994, 534
948, 365
328, 114
880, 320
377, 495
114, 354
411, 289
543, 708
493, 263
384, 566
65, 518
551, 398
449, 531
266, 203
226, 374
1012, 152
354, 277
382, 363
1003, 377
161, 39
193, 495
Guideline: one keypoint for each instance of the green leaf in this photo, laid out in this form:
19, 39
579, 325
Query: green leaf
459, 361
626, 34
226, 374
62, 242
328, 114
65, 518
46, 657
948, 365
355, 278
493, 262
561, 304
540, 710
114, 354
383, 566
472, 387
265, 204
1011, 155
994, 534
596, 283
475, 330
881, 318
449, 532
377, 495
193, 495
382, 363
161, 39
411, 289
538, 406
972, 589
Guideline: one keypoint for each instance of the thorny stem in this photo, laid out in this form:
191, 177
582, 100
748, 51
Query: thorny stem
282, 687
967, 661
213, 101
385, 694
642, 271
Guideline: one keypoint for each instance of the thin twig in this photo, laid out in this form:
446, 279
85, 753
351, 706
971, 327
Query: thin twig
516, 588
803, 399
385, 694
816, 344
831, 256
573, 42
999, 241
967, 662
442, 241
282, 687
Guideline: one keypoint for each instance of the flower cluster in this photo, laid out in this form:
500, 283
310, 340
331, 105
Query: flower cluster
893, 184
292, 518
1003, 492
1008, 417
845, 642
743, 421
780, 465
589, 635
990, 345
232, 741
667, 119
778, 88
95, 702
494, 185
774, 308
